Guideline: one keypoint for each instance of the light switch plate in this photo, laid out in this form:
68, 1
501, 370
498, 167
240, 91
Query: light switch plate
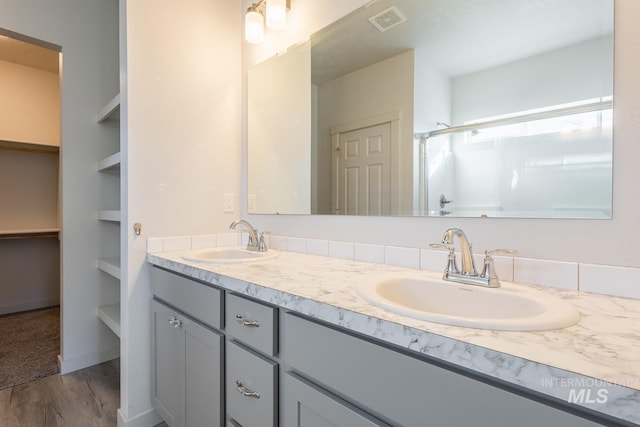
251, 203
228, 202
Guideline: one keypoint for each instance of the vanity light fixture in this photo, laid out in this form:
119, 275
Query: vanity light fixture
276, 13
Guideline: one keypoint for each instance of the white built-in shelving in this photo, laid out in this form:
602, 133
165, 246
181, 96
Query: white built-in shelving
109, 164
109, 215
110, 313
111, 111
110, 265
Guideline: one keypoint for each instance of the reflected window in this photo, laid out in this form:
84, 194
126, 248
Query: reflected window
569, 122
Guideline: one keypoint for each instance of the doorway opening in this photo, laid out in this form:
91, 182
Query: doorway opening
30, 139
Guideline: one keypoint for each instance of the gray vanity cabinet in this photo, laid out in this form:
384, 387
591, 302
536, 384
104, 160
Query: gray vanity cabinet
187, 357
394, 387
186, 369
307, 405
275, 368
167, 353
251, 387
251, 369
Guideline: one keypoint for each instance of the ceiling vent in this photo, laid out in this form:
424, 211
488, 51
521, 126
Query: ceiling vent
387, 19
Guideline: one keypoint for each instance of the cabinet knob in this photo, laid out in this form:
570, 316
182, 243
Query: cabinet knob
244, 322
175, 322
245, 391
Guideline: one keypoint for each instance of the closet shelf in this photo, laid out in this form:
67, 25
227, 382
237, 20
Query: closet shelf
108, 215
110, 315
28, 147
108, 164
110, 111
40, 233
110, 266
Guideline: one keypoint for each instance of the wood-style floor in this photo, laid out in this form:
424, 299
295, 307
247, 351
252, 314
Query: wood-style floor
85, 398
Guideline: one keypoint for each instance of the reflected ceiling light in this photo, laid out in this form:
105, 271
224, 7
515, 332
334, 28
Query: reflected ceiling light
276, 11
277, 14
254, 25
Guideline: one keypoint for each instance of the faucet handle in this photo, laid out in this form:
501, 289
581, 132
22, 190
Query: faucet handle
263, 244
452, 267
441, 246
501, 252
489, 270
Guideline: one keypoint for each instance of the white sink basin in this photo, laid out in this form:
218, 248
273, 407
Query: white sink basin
507, 308
228, 255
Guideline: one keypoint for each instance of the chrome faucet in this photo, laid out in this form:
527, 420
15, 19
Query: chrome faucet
468, 266
256, 240
468, 274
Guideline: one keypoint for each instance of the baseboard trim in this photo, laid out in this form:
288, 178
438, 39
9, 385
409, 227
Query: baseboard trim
84, 361
31, 305
146, 419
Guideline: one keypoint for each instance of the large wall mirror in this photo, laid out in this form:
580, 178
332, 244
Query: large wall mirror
498, 108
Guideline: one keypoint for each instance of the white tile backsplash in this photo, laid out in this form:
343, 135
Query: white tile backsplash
203, 241
318, 247
155, 245
402, 257
503, 266
344, 250
557, 274
228, 239
609, 280
278, 243
432, 259
297, 244
177, 244
369, 253
602, 279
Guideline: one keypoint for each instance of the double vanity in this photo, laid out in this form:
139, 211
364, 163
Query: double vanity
261, 338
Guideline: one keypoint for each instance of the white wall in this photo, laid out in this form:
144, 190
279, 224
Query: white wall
28, 190
596, 241
30, 107
79, 27
29, 201
574, 73
181, 119
384, 87
432, 100
280, 127
23, 287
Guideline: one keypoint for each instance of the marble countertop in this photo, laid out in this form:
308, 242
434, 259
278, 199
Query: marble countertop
595, 363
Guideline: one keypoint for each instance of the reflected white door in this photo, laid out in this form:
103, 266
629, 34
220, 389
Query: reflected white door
362, 165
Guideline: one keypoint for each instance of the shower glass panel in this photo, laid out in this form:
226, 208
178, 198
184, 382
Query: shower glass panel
559, 166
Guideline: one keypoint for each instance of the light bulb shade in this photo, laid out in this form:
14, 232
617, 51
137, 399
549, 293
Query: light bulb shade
277, 14
254, 27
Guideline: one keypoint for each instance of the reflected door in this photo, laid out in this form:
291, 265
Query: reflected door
362, 163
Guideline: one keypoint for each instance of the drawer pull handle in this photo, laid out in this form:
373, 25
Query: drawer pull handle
250, 323
175, 322
245, 392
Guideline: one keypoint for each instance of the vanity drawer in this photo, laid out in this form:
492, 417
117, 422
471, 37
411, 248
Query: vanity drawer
254, 324
251, 384
198, 300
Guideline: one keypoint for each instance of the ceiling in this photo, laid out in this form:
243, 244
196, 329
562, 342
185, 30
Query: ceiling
29, 55
458, 36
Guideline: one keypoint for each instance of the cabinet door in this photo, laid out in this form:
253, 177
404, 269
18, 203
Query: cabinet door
167, 364
204, 374
186, 370
307, 405
406, 389
251, 387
